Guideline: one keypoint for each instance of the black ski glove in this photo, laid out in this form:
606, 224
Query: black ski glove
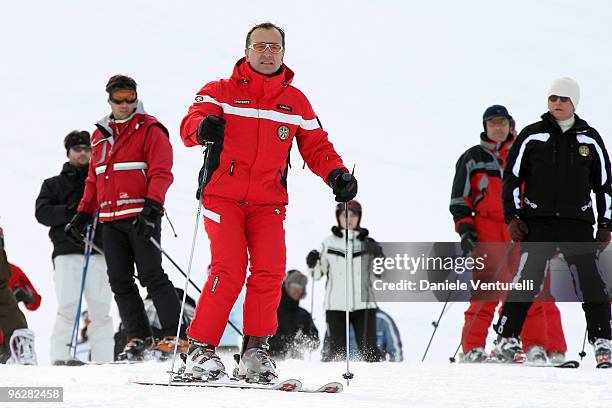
21, 295
517, 229
149, 217
469, 238
71, 210
603, 237
211, 129
312, 258
77, 227
343, 184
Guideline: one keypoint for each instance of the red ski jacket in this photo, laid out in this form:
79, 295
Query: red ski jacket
263, 115
19, 280
131, 160
477, 186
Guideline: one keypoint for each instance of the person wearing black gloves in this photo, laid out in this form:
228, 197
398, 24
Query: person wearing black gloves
56, 205
331, 263
253, 119
129, 175
553, 168
477, 210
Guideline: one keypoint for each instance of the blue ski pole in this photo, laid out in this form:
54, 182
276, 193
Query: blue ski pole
91, 232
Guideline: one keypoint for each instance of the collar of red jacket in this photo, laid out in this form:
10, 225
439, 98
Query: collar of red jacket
258, 83
104, 124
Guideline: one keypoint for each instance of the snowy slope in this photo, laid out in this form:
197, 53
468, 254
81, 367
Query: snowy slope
400, 87
375, 385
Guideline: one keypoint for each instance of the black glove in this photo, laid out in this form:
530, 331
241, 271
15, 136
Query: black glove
77, 227
211, 129
469, 238
312, 258
71, 210
149, 217
517, 229
343, 184
603, 237
24, 296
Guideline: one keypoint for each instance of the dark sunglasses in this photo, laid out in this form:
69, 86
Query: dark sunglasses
81, 148
553, 98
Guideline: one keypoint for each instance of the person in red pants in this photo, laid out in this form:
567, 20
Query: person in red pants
476, 206
252, 118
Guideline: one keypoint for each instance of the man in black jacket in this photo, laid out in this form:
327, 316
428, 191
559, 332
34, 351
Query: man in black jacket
296, 331
55, 206
552, 169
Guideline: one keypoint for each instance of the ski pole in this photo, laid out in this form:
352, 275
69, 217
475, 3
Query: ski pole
158, 246
582, 354
436, 324
91, 233
481, 303
201, 182
347, 375
312, 287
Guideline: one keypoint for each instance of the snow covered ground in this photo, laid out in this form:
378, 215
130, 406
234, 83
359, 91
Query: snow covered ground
374, 385
400, 86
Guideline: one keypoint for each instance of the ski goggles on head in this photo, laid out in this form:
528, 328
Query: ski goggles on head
262, 46
553, 98
123, 96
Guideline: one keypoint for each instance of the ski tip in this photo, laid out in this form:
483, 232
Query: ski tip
290, 385
604, 364
331, 388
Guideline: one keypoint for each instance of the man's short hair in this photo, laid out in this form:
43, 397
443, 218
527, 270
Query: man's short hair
266, 26
120, 82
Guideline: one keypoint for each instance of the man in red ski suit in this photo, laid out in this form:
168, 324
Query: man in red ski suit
252, 118
129, 174
477, 210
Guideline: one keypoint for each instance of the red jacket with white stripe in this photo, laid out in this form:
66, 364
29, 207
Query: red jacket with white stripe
477, 186
263, 115
131, 160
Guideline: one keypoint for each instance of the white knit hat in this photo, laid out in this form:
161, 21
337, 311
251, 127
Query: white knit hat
565, 87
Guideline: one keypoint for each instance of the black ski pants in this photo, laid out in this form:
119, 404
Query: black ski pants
122, 249
552, 236
364, 324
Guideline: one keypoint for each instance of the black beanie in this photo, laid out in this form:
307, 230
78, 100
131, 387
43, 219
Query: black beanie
75, 138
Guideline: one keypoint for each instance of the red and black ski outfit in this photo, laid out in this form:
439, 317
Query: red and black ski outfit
244, 198
477, 199
131, 163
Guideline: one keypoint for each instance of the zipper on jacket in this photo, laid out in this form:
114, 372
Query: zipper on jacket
231, 171
556, 163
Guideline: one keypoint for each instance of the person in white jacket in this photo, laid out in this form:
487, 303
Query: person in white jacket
331, 263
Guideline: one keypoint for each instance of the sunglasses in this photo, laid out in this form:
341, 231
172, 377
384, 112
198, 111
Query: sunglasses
81, 148
262, 46
553, 98
123, 96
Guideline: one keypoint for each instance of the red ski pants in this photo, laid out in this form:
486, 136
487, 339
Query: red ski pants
543, 324
238, 232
